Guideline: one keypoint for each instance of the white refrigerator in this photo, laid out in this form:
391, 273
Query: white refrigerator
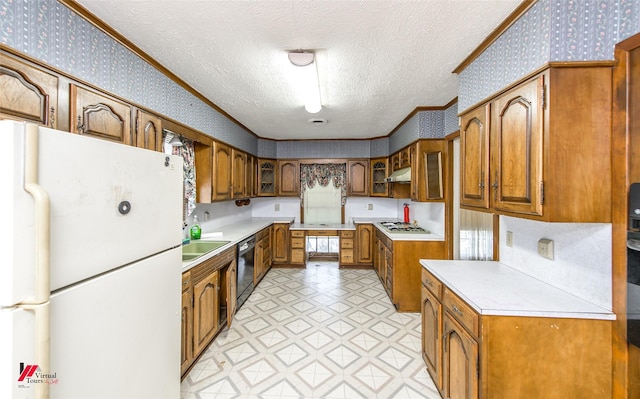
90, 261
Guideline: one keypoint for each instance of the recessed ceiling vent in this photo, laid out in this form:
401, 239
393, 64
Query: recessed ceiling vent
318, 121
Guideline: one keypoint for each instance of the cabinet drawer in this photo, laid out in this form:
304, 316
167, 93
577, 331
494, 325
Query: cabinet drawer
322, 233
347, 233
297, 233
433, 284
348, 243
297, 256
346, 256
297, 243
186, 281
461, 311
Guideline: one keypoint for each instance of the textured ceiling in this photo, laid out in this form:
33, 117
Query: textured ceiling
377, 60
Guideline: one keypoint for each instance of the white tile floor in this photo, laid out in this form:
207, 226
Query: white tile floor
319, 332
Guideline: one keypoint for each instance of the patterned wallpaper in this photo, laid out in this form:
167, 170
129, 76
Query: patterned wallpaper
324, 149
451, 119
551, 30
379, 147
50, 32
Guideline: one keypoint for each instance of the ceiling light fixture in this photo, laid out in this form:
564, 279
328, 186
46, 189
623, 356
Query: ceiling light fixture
307, 71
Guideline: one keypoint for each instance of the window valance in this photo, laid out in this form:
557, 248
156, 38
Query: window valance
323, 173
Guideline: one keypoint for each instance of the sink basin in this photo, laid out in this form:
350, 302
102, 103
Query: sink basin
196, 249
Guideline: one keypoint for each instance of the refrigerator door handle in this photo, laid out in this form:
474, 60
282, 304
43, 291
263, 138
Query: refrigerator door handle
42, 255
42, 214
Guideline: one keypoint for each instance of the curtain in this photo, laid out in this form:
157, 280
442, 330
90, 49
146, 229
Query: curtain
187, 152
476, 235
323, 174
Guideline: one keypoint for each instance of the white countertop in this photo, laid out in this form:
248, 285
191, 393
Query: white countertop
323, 226
493, 288
233, 233
400, 236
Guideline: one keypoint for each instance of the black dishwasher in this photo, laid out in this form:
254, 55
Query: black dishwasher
245, 269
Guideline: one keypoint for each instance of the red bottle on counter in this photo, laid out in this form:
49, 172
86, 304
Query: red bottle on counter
406, 213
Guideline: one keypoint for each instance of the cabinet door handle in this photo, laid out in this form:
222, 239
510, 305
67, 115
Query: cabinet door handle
80, 125
458, 311
52, 118
186, 282
481, 184
429, 283
495, 187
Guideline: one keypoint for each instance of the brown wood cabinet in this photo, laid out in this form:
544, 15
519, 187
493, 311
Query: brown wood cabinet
204, 171
27, 93
222, 185
379, 168
280, 243
250, 177
98, 115
262, 260
549, 147
186, 344
426, 175
470, 355
474, 158
431, 310
148, 131
238, 173
205, 310
398, 267
460, 363
208, 300
267, 177
347, 248
297, 247
289, 178
358, 178
364, 244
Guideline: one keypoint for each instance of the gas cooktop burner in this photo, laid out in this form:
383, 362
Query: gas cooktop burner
400, 227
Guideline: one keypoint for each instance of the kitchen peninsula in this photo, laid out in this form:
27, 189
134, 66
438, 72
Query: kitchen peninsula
497, 332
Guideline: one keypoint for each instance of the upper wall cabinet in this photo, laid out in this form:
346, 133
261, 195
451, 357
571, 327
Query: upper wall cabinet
148, 131
474, 158
239, 173
541, 149
27, 93
250, 176
94, 114
267, 177
379, 168
222, 186
358, 175
289, 178
428, 157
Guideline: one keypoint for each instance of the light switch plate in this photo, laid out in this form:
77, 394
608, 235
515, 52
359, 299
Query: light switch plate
509, 239
277, 207
370, 207
545, 248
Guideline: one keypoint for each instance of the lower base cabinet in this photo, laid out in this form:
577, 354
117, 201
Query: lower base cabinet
208, 303
262, 255
472, 356
398, 266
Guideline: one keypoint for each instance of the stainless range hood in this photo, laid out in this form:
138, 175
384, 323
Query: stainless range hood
400, 176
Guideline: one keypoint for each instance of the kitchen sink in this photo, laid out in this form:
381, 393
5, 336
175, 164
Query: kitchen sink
196, 249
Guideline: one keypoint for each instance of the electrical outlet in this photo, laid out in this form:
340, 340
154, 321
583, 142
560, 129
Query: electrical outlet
545, 248
370, 207
509, 239
277, 207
